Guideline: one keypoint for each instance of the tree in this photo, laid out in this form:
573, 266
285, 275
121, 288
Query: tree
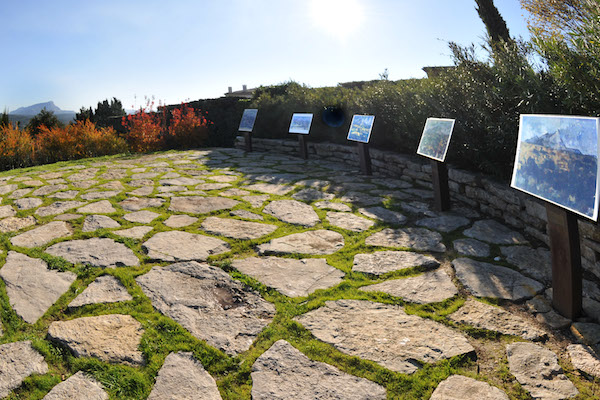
109, 114
494, 23
4, 120
85, 114
45, 118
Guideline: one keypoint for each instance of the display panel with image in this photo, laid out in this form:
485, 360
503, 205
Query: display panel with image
248, 118
360, 128
436, 138
301, 123
557, 161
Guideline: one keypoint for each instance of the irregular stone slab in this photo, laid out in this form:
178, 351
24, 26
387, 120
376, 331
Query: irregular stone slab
179, 221
318, 242
183, 377
313, 183
67, 217
413, 238
7, 211
183, 246
382, 262
584, 359
46, 190
330, 205
181, 181
114, 174
141, 182
92, 223
28, 203
97, 252
114, 185
444, 223
488, 280
485, 316
537, 370
95, 195
145, 175
553, 319
283, 372
143, 191
349, 221
256, 201
534, 262
141, 217
291, 277
237, 229
271, 188
494, 232
105, 289
223, 178
112, 338
17, 194
171, 189
5, 189
212, 186
234, 192
18, 361
33, 182
59, 207
458, 387
67, 195
430, 287
78, 386
137, 232
208, 303
586, 332
292, 212
83, 175
361, 198
201, 205
383, 214
394, 339
99, 207
32, 288
471, 247
310, 194
138, 203
13, 224
43, 234
246, 214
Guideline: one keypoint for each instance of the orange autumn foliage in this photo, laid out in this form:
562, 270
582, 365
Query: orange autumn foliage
79, 140
17, 148
187, 129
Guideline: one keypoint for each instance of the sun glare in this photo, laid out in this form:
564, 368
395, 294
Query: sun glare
338, 18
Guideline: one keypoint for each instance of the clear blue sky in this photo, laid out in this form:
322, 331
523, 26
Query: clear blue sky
79, 52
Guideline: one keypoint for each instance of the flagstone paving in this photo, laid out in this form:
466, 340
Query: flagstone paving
251, 275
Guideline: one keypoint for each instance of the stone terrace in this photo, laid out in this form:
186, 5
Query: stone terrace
223, 274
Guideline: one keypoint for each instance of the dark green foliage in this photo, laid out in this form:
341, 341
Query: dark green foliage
45, 118
494, 23
107, 114
85, 114
4, 121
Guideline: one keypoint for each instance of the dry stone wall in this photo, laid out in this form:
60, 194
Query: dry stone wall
476, 191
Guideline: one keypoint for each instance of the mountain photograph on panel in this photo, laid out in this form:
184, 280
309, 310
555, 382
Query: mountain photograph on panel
248, 118
360, 128
436, 138
557, 161
301, 123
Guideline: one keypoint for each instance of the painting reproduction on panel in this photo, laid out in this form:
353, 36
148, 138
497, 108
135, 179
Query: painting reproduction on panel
248, 118
557, 161
436, 138
301, 123
360, 128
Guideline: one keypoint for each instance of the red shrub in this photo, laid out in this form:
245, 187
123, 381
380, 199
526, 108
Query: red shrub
16, 148
187, 129
144, 131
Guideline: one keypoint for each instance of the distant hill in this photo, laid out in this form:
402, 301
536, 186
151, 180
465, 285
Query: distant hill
553, 141
23, 115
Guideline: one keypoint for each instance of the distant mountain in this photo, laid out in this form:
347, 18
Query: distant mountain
36, 108
555, 141
22, 115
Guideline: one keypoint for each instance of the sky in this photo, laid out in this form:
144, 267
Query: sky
77, 53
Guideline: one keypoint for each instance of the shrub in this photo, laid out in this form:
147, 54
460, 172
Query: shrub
144, 132
79, 140
187, 128
16, 148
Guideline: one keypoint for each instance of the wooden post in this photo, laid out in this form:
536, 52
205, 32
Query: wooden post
365, 158
303, 146
441, 191
248, 140
566, 261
